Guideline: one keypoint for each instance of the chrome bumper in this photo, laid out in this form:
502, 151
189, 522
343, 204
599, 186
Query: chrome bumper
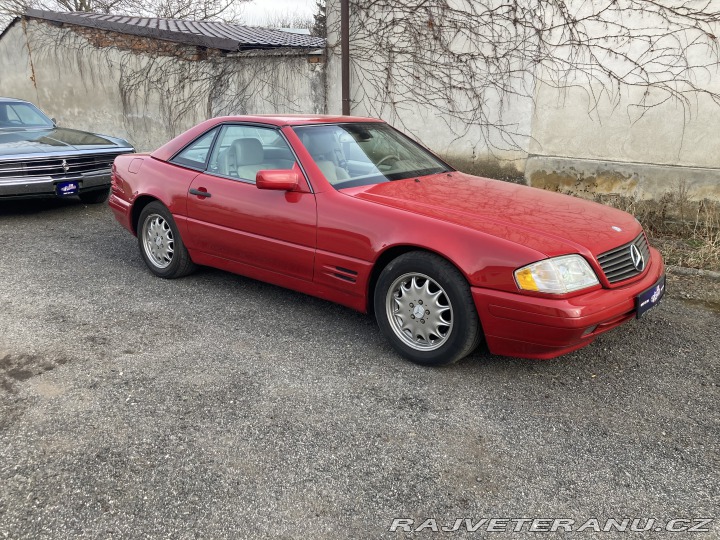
45, 186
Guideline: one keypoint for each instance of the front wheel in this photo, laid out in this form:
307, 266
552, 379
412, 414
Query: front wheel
160, 243
424, 307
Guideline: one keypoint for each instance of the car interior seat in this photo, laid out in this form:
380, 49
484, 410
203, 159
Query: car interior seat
325, 150
242, 159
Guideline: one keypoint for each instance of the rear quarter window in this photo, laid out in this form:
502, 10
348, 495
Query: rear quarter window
195, 155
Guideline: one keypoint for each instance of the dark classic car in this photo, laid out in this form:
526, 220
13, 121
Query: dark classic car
39, 159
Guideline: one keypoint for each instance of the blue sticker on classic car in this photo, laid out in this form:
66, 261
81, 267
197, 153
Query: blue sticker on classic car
649, 299
67, 188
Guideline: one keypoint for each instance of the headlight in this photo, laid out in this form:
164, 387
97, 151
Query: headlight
559, 275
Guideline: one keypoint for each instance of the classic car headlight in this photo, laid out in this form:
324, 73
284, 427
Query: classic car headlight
558, 275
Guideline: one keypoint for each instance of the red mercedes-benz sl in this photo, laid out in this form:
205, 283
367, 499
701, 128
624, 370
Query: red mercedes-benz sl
353, 211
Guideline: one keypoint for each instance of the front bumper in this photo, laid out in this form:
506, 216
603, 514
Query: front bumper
543, 328
45, 186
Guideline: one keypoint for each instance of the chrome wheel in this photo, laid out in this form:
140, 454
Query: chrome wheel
419, 311
158, 241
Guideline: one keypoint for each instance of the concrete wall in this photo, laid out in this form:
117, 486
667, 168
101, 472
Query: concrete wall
144, 90
586, 141
478, 148
571, 135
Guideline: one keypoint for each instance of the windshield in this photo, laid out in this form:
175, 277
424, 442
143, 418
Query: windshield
14, 115
363, 154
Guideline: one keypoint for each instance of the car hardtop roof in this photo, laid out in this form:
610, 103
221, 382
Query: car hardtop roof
296, 119
173, 146
12, 100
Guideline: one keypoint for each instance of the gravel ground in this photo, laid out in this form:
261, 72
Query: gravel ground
219, 407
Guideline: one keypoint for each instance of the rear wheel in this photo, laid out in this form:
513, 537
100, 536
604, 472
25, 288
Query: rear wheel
424, 307
160, 243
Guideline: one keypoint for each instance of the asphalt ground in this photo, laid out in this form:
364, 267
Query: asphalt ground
217, 407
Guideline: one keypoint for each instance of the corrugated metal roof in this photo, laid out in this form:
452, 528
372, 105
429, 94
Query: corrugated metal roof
214, 35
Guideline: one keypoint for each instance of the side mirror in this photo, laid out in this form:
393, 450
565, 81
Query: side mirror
279, 180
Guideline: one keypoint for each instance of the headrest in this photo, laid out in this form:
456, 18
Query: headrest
320, 143
247, 151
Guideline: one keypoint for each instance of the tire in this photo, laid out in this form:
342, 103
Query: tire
95, 196
424, 307
160, 244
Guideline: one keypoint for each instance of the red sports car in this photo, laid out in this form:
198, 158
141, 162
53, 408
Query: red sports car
353, 211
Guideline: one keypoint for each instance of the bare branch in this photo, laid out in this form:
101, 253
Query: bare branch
468, 59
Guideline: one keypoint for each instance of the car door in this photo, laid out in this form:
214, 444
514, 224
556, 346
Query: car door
229, 217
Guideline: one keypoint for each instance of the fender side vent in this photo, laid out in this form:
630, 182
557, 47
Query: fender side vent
344, 274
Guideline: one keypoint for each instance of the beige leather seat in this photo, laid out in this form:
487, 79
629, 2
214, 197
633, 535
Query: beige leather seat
324, 149
243, 159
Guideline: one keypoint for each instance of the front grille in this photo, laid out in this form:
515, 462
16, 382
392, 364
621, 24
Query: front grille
53, 167
617, 264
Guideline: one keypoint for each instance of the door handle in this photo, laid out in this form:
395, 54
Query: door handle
199, 193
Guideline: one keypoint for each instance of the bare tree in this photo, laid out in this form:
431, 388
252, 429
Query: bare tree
275, 19
319, 28
467, 58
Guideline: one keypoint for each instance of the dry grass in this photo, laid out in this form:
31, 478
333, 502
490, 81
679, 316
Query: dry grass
686, 231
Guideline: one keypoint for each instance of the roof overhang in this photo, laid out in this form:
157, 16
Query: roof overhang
207, 34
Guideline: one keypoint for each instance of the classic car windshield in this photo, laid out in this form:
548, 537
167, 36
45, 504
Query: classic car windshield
363, 153
19, 115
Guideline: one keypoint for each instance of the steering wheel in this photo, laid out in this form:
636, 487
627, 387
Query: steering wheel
386, 158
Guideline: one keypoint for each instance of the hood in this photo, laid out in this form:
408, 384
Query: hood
45, 141
550, 223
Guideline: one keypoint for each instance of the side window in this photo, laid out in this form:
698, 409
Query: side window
28, 116
241, 151
196, 153
13, 115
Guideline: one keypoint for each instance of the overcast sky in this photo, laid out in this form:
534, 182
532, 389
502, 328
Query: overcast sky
257, 11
